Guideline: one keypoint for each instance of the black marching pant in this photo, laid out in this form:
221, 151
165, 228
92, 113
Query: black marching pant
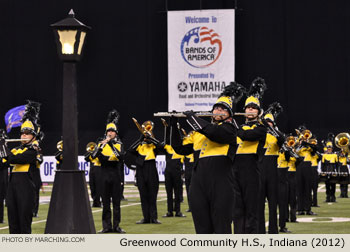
20, 203
211, 195
37, 183
246, 190
173, 184
3, 190
269, 191
122, 178
148, 185
292, 198
304, 178
188, 177
282, 196
95, 184
110, 179
314, 185
330, 191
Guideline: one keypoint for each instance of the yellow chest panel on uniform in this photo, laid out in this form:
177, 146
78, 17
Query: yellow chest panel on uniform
95, 161
210, 148
314, 160
247, 147
108, 152
342, 160
271, 145
281, 161
19, 167
171, 151
330, 158
305, 152
198, 140
291, 164
147, 150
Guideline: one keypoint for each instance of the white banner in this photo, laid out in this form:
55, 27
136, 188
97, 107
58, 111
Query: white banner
48, 169
201, 57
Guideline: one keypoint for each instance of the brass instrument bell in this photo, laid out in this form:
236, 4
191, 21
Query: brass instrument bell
91, 146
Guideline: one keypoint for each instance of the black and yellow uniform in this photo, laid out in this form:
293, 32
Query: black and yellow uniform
94, 179
269, 184
147, 179
344, 177
314, 183
21, 189
35, 173
304, 181
110, 182
329, 164
173, 180
282, 167
251, 139
189, 163
292, 187
211, 189
3, 186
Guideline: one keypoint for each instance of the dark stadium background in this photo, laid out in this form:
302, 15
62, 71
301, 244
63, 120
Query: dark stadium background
301, 48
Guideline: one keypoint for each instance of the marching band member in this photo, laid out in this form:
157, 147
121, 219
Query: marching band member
145, 150
173, 180
21, 190
343, 160
329, 165
304, 175
268, 173
94, 175
292, 187
189, 164
213, 144
109, 153
250, 139
36, 174
282, 167
3, 179
314, 167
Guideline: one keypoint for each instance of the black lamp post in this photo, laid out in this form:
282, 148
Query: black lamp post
70, 210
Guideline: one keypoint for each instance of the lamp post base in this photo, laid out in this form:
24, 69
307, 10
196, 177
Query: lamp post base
70, 210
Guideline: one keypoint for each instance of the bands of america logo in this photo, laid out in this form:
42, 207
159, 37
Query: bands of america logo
182, 86
201, 47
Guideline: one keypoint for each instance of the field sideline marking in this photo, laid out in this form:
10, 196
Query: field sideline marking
95, 211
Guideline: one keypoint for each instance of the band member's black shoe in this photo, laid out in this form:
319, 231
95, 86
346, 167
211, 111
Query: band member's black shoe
300, 213
105, 230
168, 214
143, 221
155, 221
310, 213
188, 210
119, 230
284, 230
179, 214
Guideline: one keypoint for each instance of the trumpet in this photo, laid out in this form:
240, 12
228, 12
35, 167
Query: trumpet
59, 146
290, 141
91, 146
146, 128
202, 113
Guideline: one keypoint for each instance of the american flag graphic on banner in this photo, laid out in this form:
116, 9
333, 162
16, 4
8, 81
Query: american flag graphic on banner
201, 47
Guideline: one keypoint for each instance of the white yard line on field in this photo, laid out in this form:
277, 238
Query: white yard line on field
95, 211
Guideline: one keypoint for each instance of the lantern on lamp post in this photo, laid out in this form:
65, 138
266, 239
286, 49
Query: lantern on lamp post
70, 36
70, 210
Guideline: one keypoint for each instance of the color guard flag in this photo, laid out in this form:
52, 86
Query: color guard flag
13, 117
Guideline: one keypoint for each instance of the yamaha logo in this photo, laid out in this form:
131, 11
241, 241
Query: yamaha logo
182, 87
